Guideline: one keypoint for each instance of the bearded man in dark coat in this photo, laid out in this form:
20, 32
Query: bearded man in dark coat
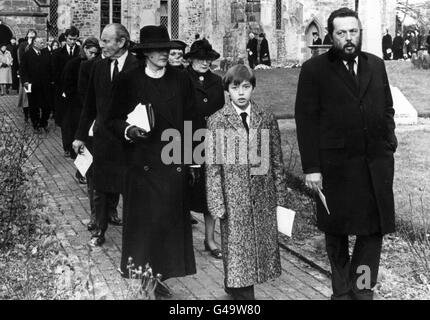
157, 227
345, 129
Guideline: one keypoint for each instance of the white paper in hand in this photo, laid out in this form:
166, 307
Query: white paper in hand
323, 200
91, 131
83, 161
285, 220
139, 118
28, 89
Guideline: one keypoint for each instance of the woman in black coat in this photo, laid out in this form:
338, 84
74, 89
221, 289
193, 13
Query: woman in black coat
264, 51
209, 98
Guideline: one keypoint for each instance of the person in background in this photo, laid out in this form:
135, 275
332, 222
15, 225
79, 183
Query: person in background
327, 39
176, 56
398, 46
245, 195
13, 49
59, 61
209, 97
316, 41
23, 46
73, 104
6, 62
36, 75
264, 50
62, 39
387, 46
252, 49
428, 43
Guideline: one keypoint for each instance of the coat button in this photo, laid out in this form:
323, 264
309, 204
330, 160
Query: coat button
179, 169
146, 168
205, 100
206, 118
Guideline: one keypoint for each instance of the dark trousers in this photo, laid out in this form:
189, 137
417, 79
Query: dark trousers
39, 109
348, 273
105, 205
252, 60
245, 293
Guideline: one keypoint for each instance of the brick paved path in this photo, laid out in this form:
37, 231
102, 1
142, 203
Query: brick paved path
68, 201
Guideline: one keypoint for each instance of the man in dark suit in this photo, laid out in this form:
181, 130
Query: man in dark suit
35, 71
108, 153
316, 41
252, 49
60, 59
345, 129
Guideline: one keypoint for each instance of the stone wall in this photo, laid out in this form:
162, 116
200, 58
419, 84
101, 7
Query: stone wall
84, 15
19, 16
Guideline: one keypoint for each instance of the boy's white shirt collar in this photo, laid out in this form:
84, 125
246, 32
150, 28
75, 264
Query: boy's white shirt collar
247, 110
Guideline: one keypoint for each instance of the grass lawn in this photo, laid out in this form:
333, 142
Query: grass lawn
414, 83
277, 88
412, 177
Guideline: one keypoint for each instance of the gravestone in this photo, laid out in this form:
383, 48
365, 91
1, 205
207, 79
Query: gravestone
405, 112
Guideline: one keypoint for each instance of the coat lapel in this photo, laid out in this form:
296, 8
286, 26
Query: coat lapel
364, 74
340, 69
256, 118
233, 117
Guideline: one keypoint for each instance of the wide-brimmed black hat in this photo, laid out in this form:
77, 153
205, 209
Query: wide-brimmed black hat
155, 37
202, 49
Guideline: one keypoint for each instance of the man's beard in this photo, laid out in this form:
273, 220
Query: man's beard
348, 56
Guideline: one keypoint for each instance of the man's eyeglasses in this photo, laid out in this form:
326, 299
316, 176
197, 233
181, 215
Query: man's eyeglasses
342, 33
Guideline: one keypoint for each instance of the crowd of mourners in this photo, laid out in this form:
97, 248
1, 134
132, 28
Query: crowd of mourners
345, 129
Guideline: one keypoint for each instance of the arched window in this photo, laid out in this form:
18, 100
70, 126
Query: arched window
110, 12
278, 14
53, 18
169, 16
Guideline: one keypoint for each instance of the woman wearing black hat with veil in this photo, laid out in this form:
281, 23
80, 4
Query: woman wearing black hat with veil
209, 98
157, 227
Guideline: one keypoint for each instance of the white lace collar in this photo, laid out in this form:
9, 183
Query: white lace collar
155, 74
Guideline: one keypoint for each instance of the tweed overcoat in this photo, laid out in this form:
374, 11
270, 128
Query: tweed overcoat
246, 200
346, 132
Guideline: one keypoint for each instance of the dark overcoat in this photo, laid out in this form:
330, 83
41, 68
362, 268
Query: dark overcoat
60, 58
36, 69
209, 98
264, 52
108, 153
157, 227
347, 134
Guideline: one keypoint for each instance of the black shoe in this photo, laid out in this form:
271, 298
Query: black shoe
115, 221
37, 131
216, 253
97, 240
91, 226
80, 178
46, 129
162, 290
67, 154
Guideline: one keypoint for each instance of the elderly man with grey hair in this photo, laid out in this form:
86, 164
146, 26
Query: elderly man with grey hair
252, 49
108, 164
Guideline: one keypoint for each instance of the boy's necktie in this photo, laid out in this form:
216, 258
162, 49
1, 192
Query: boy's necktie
244, 115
